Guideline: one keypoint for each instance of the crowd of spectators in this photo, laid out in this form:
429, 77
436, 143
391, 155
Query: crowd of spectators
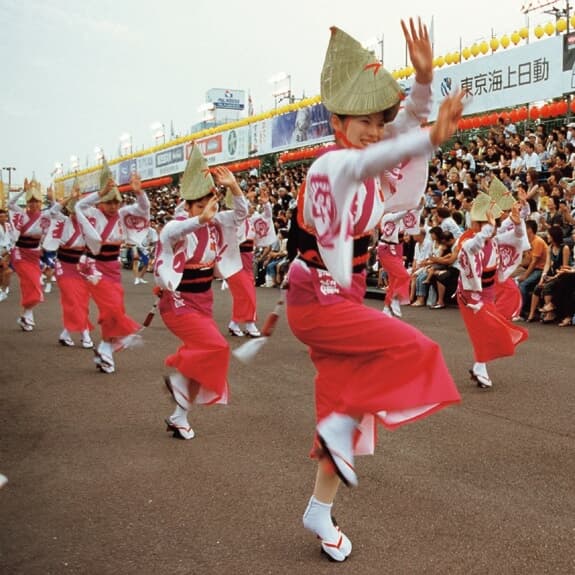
535, 162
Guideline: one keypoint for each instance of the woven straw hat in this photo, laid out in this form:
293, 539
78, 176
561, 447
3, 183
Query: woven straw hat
197, 181
33, 190
70, 203
500, 194
481, 205
114, 193
353, 81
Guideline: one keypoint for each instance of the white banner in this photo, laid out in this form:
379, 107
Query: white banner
505, 79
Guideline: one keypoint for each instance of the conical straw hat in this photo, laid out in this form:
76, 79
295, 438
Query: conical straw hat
70, 204
353, 81
114, 192
33, 190
197, 181
481, 205
500, 194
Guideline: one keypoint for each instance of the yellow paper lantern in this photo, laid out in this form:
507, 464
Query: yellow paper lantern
466, 53
515, 38
549, 28
538, 31
524, 33
572, 20
448, 59
475, 50
494, 44
484, 47
395, 75
561, 25
440, 61
505, 41
456, 57
410, 71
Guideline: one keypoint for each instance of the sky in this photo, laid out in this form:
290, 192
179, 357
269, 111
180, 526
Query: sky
77, 74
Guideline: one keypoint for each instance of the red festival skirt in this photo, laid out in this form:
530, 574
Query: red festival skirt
204, 355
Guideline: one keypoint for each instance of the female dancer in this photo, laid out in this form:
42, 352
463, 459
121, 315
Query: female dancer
106, 227
369, 366
29, 225
390, 255
486, 259
188, 250
64, 236
257, 231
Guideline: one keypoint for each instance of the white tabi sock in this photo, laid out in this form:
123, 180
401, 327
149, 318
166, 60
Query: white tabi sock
65, 334
317, 518
180, 416
480, 369
106, 348
86, 334
28, 315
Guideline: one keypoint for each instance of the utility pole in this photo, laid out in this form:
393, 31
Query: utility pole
9, 169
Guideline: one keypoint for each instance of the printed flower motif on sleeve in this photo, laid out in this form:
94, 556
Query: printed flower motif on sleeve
324, 210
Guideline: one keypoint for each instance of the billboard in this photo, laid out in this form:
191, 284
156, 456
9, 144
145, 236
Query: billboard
504, 79
224, 99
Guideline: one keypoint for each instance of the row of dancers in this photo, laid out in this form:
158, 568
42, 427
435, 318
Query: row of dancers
371, 367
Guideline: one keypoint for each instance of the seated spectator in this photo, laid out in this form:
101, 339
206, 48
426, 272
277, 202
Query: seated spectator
558, 257
531, 276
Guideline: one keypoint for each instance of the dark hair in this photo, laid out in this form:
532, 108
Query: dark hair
556, 235
532, 225
437, 231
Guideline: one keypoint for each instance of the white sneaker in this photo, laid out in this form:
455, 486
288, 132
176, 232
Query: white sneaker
3, 295
47, 287
395, 308
136, 281
143, 281
335, 433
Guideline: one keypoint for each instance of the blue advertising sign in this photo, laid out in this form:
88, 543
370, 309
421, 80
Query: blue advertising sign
125, 170
303, 127
169, 156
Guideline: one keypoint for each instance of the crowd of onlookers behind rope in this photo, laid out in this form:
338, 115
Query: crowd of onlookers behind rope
536, 165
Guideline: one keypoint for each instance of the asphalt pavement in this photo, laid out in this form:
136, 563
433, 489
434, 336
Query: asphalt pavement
97, 486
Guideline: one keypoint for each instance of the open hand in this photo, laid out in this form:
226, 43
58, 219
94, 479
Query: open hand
136, 182
210, 210
420, 50
447, 118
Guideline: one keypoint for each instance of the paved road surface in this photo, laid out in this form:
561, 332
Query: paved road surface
96, 486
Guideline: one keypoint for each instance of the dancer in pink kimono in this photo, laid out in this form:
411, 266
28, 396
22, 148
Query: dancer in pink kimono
190, 247
29, 225
106, 226
487, 258
257, 231
64, 236
390, 257
370, 367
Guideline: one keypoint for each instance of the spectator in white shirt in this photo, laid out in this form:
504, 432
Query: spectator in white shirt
531, 157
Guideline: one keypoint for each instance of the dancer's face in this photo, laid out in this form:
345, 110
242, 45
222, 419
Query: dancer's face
110, 208
33, 205
361, 131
